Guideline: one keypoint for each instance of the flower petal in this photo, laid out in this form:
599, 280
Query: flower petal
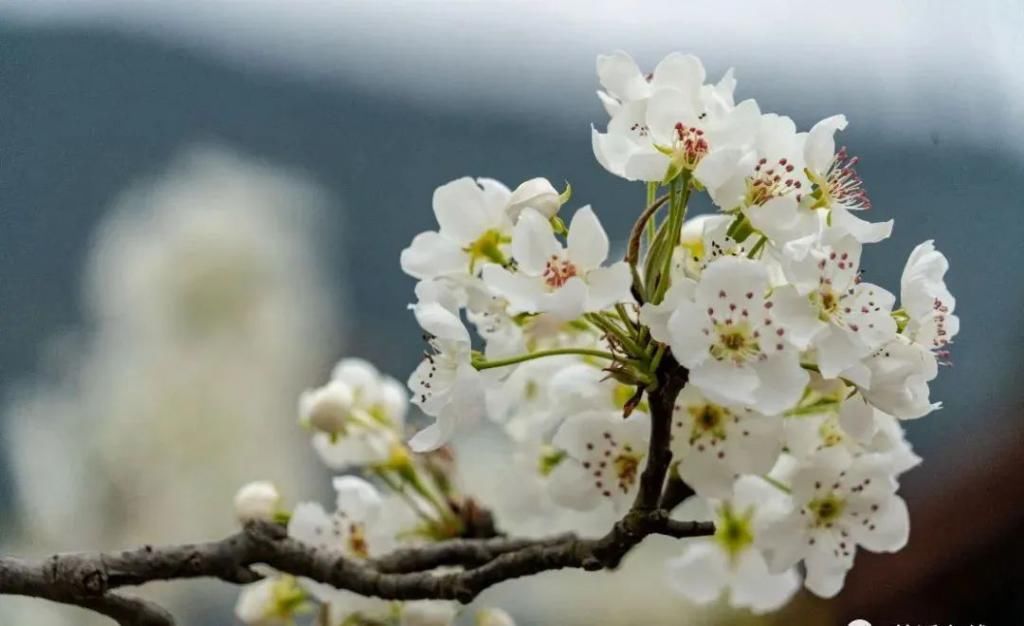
587, 243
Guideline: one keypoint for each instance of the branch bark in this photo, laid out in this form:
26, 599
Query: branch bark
90, 580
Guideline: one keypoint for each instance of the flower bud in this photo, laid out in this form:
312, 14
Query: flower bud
328, 408
537, 194
257, 500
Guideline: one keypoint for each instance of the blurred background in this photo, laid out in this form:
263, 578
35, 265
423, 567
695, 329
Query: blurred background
202, 204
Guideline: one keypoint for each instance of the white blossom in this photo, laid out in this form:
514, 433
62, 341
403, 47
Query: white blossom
474, 229
605, 455
670, 123
741, 341
926, 300
714, 443
832, 510
563, 281
856, 316
375, 415
836, 185
445, 386
273, 601
899, 375
731, 560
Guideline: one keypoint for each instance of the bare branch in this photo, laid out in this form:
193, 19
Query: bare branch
52, 578
89, 579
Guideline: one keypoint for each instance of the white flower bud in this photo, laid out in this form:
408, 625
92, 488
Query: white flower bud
328, 408
257, 500
538, 194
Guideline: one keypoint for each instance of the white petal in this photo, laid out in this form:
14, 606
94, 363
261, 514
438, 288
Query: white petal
715, 169
567, 302
430, 254
700, 573
891, 527
571, 486
460, 210
781, 382
797, 315
837, 350
686, 337
440, 322
538, 194
357, 498
620, 75
861, 230
608, 286
434, 436
857, 418
645, 164
820, 145
533, 242
684, 72
776, 218
732, 275
611, 151
666, 108
524, 294
587, 243
824, 579
758, 589
656, 316
725, 382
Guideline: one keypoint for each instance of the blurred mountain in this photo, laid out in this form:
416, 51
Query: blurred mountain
83, 114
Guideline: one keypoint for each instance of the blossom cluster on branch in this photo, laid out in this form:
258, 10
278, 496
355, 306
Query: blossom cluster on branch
733, 381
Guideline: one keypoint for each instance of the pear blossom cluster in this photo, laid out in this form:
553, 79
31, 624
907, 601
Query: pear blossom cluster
796, 373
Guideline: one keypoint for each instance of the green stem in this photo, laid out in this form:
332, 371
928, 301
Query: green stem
757, 247
777, 484
677, 215
483, 364
622, 335
624, 316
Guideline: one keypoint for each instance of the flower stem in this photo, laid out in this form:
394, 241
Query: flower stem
781, 486
757, 247
484, 364
652, 192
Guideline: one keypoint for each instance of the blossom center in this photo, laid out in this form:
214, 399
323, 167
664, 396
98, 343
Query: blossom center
826, 510
734, 531
487, 247
841, 185
736, 342
627, 468
690, 145
771, 180
708, 419
558, 271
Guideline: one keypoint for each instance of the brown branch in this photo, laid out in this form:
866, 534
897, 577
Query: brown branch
633, 248
89, 579
465, 553
68, 579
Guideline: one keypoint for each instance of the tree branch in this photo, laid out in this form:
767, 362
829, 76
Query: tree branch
88, 580
69, 580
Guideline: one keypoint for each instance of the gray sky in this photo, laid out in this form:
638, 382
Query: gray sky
953, 64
